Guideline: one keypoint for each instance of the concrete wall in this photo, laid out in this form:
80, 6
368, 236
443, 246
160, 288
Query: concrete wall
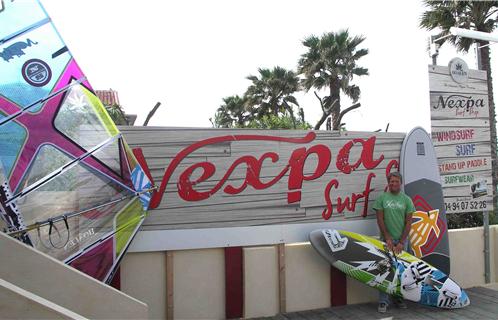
199, 284
52, 280
493, 239
467, 258
307, 278
145, 275
261, 281
467, 255
18, 303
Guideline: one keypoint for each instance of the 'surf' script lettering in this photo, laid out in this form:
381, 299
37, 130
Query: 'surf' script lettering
294, 169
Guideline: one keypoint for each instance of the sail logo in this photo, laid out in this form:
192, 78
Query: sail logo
80, 238
334, 240
427, 228
425, 223
16, 49
36, 72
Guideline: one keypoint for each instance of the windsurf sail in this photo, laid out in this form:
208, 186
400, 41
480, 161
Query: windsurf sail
70, 186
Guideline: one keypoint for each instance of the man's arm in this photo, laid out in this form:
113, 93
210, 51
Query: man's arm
383, 229
404, 235
408, 226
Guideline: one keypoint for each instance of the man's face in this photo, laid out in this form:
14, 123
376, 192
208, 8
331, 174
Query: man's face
394, 184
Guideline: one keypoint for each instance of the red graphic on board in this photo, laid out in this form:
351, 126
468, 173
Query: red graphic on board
430, 235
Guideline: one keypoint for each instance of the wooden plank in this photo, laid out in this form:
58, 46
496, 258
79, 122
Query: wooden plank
466, 191
473, 73
449, 105
442, 136
460, 204
463, 150
169, 286
460, 123
471, 164
464, 179
281, 278
441, 81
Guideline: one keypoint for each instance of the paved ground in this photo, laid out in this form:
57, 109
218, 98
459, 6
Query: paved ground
483, 305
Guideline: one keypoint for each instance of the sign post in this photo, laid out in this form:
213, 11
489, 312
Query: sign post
461, 135
485, 218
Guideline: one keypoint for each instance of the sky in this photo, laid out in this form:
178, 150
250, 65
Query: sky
190, 54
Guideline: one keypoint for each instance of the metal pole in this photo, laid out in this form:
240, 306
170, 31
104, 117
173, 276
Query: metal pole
487, 264
478, 56
485, 218
433, 49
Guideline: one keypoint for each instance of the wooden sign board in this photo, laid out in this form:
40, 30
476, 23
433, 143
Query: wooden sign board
461, 137
215, 181
450, 105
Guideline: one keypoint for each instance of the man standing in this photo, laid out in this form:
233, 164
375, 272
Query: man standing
394, 217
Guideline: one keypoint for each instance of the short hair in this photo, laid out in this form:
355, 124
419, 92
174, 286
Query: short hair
394, 174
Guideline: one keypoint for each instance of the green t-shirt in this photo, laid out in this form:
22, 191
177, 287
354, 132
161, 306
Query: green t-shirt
395, 207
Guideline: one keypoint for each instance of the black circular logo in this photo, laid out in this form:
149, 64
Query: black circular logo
36, 72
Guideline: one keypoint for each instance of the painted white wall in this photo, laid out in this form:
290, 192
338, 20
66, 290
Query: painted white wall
261, 282
493, 248
307, 278
199, 277
144, 277
199, 284
467, 257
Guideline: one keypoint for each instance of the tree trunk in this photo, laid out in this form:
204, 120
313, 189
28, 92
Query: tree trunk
151, 114
321, 121
333, 107
336, 117
291, 112
486, 65
293, 118
336, 111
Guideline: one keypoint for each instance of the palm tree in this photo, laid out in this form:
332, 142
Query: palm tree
232, 113
475, 15
272, 93
331, 63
